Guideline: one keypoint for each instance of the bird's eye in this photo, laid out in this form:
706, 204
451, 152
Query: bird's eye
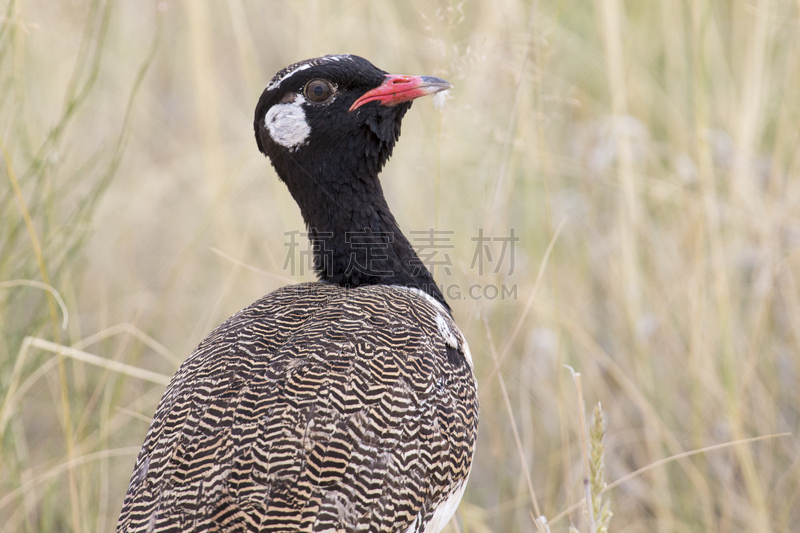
318, 91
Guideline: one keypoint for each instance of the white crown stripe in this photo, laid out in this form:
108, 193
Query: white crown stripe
302, 65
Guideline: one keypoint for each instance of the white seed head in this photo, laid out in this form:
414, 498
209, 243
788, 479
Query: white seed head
440, 98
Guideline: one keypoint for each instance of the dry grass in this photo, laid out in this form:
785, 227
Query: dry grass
661, 138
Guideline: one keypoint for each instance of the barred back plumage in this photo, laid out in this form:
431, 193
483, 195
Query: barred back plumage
317, 408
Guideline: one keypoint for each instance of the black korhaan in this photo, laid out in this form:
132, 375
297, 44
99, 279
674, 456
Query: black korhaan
340, 406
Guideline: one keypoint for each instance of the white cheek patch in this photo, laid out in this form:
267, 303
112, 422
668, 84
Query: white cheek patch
286, 124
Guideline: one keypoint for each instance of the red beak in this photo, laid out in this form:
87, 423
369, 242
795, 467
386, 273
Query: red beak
398, 89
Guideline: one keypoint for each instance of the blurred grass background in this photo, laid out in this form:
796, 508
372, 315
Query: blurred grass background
661, 137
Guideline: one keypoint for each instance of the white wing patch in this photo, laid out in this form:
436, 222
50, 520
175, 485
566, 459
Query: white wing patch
413, 527
444, 330
287, 125
467, 354
450, 337
443, 513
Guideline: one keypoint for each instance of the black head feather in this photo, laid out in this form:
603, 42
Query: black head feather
329, 156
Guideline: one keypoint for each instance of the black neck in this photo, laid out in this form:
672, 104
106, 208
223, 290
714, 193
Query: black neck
354, 236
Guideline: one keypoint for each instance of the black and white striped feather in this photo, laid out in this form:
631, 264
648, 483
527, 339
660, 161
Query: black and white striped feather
317, 409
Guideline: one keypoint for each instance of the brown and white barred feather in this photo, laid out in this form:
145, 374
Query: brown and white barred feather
317, 408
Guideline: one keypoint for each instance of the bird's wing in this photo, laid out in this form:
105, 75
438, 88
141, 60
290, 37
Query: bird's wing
317, 408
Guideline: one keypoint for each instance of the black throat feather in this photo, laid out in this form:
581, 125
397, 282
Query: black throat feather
355, 238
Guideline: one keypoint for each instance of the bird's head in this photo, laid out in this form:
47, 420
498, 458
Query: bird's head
335, 111
328, 125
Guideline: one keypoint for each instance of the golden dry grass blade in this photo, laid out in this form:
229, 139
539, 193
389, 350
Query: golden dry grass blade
662, 462
664, 135
64, 387
517, 440
43, 286
58, 470
114, 366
